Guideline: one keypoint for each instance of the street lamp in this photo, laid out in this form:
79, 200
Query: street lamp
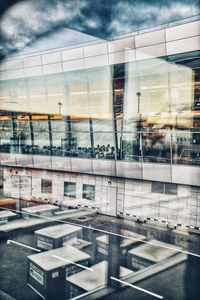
60, 107
138, 95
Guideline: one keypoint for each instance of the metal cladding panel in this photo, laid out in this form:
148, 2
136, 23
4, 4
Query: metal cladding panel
150, 38
186, 174
96, 61
121, 44
33, 71
42, 161
151, 52
96, 49
183, 31
183, 45
104, 167
7, 159
158, 172
61, 163
72, 65
82, 165
24, 160
129, 169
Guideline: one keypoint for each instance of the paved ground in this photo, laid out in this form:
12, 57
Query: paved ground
179, 282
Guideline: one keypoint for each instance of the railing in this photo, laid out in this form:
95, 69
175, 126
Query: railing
170, 147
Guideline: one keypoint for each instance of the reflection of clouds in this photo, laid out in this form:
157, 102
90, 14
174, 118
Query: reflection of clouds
128, 16
60, 38
24, 22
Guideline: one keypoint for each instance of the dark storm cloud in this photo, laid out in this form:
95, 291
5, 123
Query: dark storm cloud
24, 23
130, 15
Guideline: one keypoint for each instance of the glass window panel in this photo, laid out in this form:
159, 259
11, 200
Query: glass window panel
130, 147
70, 189
46, 186
157, 187
5, 135
156, 146
171, 188
104, 145
89, 192
102, 125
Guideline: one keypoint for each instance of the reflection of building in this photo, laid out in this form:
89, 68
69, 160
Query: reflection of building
96, 141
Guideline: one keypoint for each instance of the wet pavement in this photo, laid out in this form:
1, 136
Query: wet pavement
175, 276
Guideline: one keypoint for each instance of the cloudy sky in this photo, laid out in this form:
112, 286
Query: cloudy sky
34, 25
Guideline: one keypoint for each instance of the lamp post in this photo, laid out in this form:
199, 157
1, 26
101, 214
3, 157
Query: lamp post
138, 95
60, 107
139, 138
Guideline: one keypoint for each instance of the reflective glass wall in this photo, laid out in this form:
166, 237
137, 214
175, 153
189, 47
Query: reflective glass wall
143, 110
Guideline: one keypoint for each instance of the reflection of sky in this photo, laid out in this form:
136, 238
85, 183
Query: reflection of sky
29, 21
82, 95
165, 89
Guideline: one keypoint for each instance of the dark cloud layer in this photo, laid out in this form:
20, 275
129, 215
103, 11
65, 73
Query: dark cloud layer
24, 23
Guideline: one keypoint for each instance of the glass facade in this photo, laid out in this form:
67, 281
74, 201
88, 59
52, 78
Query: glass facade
145, 110
70, 189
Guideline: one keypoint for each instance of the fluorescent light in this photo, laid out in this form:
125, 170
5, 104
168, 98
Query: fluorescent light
35, 96
55, 94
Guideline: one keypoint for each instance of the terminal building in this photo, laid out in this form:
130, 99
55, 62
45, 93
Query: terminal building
110, 125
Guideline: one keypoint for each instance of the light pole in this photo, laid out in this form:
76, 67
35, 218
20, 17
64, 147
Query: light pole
138, 95
139, 138
60, 107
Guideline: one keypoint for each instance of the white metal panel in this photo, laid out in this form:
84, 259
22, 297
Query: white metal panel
33, 71
150, 38
122, 44
42, 161
184, 45
150, 51
32, 61
82, 165
2, 66
72, 65
104, 167
72, 54
183, 31
158, 172
129, 169
61, 163
24, 160
18, 73
117, 57
14, 64
3, 75
186, 174
94, 50
51, 57
52, 68
96, 61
